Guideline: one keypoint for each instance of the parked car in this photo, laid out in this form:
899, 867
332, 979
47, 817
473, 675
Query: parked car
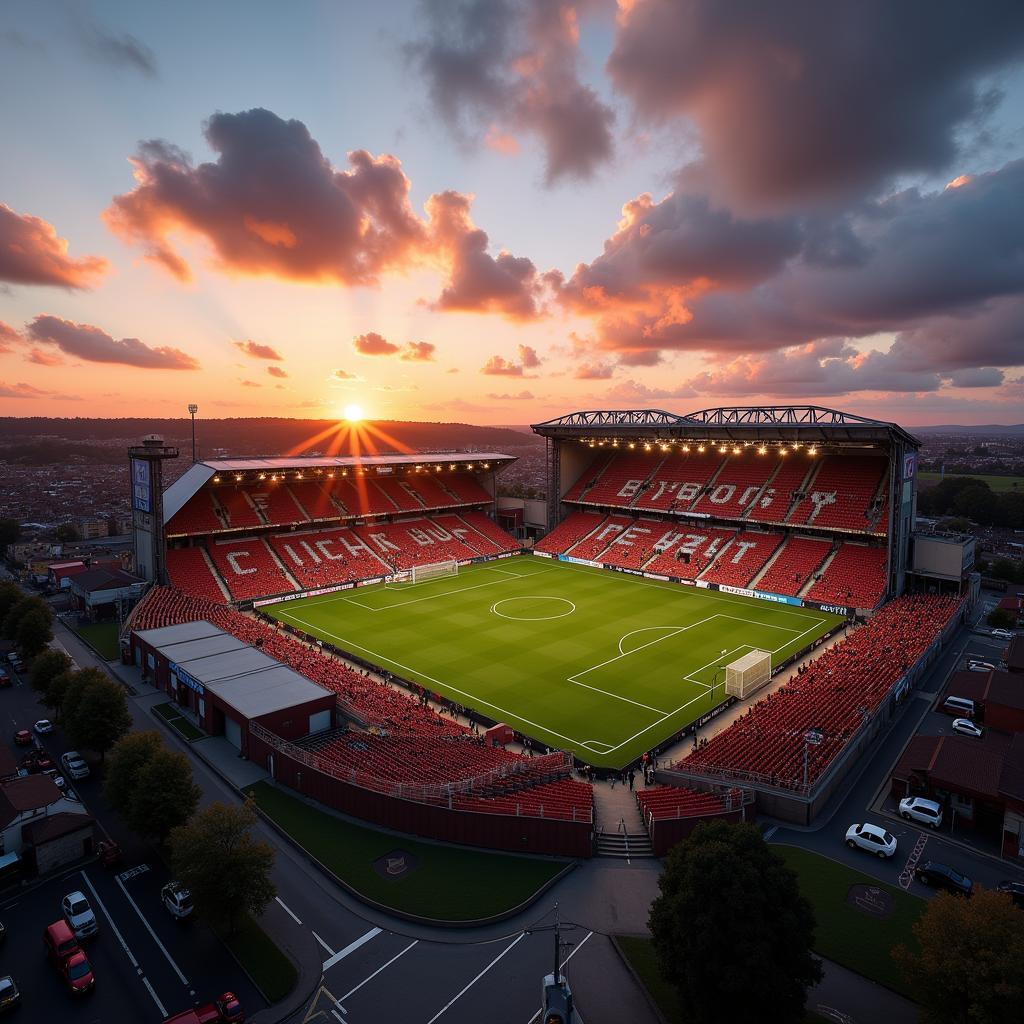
872, 838
942, 876
59, 941
980, 666
43, 726
917, 808
76, 972
177, 899
109, 853
1002, 634
959, 707
79, 915
225, 1009
23, 738
1015, 890
9, 994
5, 679
966, 727
74, 765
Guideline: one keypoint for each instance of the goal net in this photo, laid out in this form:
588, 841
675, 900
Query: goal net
747, 674
424, 573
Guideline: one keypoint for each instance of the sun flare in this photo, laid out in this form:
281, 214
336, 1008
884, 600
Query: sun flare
353, 413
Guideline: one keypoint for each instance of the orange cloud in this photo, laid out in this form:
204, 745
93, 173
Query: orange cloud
257, 351
374, 344
276, 371
83, 341
41, 358
32, 253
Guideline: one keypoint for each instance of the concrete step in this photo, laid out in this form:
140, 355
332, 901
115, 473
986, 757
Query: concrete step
617, 844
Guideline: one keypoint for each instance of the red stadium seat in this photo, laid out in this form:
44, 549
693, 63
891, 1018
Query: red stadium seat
855, 577
794, 566
248, 568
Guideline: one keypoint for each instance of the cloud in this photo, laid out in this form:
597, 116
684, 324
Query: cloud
119, 50
373, 344
345, 375
32, 253
519, 396
633, 391
499, 68
94, 345
499, 366
418, 352
41, 358
255, 350
250, 384
9, 337
594, 371
528, 357
792, 102
276, 371
478, 282
24, 390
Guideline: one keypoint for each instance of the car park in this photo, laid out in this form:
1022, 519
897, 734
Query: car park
9, 994
1002, 634
23, 738
74, 765
942, 876
177, 900
871, 838
76, 972
79, 915
918, 808
43, 726
965, 727
1015, 890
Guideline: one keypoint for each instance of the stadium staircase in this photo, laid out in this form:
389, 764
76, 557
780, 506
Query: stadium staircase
619, 824
279, 562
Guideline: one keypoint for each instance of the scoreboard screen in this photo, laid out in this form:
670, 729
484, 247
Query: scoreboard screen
142, 490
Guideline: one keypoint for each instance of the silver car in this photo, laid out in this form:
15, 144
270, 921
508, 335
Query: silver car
918, 808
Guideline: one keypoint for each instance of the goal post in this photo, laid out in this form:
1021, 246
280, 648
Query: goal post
425, 573
747, 674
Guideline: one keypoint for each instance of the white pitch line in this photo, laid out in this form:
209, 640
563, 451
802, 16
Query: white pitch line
382, 967
451, 1002
153, 935
351, 948
617, 696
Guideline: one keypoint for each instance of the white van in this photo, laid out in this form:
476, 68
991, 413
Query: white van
960, 707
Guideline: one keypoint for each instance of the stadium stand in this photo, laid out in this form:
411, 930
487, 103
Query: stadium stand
413, 542
248, 568
199, 515
634, 546
569, 531
239, 510
622, 480
277, 505
841, 494
322, 558
466, 488
361, 498
679, 802
430, 490
190, 571
794, 566
772, 505
588, 478
314, 500
846, 682
855, 577
738, 564
403, 499
739, 481
697, 548
482, 523
590, 548
678, 481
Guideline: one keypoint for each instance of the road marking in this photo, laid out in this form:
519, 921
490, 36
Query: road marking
770, 832
330, 952
379, 969
110, 920
351, 948
156, 998
451, 1002
149, 928
581, 944
287, 910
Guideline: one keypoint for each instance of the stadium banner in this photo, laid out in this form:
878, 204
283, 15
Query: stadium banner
622, 568
761, 595
541, 554
376, 579
835, 609
655, 576
704, 585
580, 561
305, 593
184, 677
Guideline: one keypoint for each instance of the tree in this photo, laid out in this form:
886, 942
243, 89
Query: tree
35, 631
96, 712
18, 611
46, 666
67, 532
1001, 618
10, 595
970, 968
226, 868
164, 796
10, 531
128, 756
56, 692
724, 890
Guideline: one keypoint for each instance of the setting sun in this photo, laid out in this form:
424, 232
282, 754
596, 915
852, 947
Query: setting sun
353, 413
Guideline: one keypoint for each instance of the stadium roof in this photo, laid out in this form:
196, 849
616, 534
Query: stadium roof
740, 423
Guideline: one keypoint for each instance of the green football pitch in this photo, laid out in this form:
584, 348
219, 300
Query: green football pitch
601, 663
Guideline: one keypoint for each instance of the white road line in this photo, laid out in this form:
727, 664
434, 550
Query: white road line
330, 952
770, 832
452, 1002
352, 991
156, 998
110, 920
351, 948
287, 910
149, 928
581, 944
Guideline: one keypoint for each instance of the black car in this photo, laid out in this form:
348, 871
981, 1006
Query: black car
1015, 890
942, 876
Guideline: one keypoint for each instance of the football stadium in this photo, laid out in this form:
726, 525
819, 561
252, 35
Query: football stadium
384, 635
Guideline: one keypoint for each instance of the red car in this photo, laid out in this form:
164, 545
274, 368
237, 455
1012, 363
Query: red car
23, 738
225, 1009
77, 974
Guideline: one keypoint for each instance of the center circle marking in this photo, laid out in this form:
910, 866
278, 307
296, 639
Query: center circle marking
533, 618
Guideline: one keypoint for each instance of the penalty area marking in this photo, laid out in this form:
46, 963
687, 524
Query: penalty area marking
532, 618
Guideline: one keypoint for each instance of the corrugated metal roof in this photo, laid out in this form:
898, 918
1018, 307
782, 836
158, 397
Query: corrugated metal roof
178, 633
262, 693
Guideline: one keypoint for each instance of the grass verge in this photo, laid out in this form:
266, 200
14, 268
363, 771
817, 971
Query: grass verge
639, 952
270, 969
849, 936
102, 636
176, 720
450, 883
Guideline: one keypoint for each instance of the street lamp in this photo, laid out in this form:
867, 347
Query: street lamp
192, 410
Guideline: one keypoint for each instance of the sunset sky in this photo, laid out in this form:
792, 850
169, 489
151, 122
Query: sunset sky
498, 211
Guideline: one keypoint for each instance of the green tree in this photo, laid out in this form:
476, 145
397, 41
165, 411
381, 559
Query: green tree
10, 531
128, 756
1001, 618
35, 631
46, 666
96, 712
970, 966
977, 502
227, 869
164, 795
731, 931
18, 611
56, 692
10, 595
67, 532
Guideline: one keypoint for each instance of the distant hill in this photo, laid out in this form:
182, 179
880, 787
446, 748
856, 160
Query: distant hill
988, 429
29, 439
